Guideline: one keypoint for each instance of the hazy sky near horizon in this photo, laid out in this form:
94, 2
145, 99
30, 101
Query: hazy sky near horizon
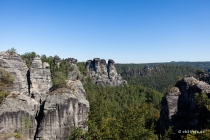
127, 31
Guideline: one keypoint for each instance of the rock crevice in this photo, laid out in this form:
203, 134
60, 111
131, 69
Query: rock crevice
179, 108
45, 115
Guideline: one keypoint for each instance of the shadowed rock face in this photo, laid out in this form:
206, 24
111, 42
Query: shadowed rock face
96, 64
71, 60
88, 65
103, 62
57, 61
51, 114
104, 67
179, 108
102, 74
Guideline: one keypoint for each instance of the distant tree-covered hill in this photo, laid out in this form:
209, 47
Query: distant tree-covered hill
158, 76
205, 66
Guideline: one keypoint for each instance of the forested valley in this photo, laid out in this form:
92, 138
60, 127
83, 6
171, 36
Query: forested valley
160, 76
130, 111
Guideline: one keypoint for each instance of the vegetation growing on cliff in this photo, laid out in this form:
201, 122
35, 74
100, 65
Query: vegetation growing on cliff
6, 80
59, 74
124, 112
12, 51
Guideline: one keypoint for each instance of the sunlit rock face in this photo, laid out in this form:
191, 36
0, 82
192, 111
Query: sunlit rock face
63, 109
40, 79
17, 67
17, 114
179, 107
51, 115
104, 74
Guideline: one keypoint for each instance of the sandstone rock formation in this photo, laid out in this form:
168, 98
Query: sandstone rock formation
57, 61
63, 109
15, 111
71, 60
179, 108
75, 73
103, 74
40, 78
51, 115
17, 67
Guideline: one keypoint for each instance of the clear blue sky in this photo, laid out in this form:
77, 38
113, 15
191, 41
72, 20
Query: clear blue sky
128, 31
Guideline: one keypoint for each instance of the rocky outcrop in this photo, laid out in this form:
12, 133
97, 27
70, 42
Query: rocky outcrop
112, 72
179, 108
104, 74
40, 79
17, 114
57, 61
206, 78
64, 109
71, 60
17, 67
74, 74
33, 110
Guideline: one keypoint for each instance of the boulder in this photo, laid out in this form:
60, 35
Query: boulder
45, 65
36, 63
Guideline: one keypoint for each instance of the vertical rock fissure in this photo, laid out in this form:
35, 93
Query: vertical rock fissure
39, 117
29, 81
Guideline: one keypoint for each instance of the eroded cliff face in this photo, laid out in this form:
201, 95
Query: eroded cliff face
63, 110
34, 111
17, 114
40, 79
17, 67
104, 74
179, 108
